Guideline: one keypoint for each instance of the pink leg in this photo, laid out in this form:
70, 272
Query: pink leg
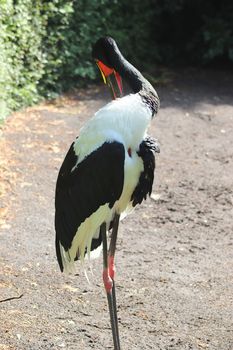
107, 278
111, 267
108, 273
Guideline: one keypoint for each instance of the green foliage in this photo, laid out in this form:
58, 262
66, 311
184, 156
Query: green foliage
72, 26
218, 39
193, 32
20, 57
45, 46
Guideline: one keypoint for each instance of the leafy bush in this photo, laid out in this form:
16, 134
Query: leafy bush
196, 32
71, 28
20, 58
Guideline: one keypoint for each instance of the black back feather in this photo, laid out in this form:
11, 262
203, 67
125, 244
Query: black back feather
146, 151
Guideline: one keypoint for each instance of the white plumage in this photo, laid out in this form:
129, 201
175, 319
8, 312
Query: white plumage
124, 120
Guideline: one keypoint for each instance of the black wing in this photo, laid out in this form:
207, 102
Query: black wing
146, 151
81, 190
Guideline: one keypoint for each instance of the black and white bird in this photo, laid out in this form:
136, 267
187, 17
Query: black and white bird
108, 170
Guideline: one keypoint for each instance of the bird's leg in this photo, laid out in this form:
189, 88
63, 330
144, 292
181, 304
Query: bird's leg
108, 283
111, 265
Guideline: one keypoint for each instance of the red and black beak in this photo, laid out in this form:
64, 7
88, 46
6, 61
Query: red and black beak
112, 78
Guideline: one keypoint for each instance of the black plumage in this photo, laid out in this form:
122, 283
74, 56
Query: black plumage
82, 189
146, 151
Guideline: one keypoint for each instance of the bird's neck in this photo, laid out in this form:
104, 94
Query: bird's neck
138, 84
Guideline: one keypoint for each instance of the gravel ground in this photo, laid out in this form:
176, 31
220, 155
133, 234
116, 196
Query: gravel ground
175, 253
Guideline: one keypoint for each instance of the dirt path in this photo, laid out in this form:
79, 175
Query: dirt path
175, 252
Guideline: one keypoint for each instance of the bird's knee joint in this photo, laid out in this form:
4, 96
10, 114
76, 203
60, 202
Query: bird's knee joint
107, 281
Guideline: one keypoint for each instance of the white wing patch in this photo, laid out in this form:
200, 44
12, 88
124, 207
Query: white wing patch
81, 243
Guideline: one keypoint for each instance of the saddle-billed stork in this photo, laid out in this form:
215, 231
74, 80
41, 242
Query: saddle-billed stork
108, 169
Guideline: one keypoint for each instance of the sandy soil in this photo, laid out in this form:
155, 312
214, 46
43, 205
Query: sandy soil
175, 252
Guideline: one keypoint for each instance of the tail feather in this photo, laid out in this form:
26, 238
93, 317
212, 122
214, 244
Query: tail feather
58, 252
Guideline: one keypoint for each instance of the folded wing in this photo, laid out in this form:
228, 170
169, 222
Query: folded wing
82, 188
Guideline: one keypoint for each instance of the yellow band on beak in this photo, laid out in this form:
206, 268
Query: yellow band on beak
102, 73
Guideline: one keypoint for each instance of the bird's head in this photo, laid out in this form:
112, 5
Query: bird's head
106, 54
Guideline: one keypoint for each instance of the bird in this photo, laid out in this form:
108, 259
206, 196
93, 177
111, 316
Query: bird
108, 170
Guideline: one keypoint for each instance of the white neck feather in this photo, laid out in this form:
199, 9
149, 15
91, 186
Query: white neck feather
124, 120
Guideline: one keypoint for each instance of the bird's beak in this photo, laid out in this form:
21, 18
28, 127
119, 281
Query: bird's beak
112, 78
